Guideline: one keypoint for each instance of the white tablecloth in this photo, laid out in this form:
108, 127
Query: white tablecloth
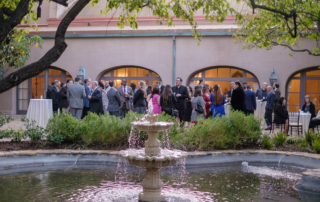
259, 112
304, 119
40, 110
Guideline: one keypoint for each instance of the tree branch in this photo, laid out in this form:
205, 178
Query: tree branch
62, 2
50, 57
7, 11
292, 14
147, 4
294, 50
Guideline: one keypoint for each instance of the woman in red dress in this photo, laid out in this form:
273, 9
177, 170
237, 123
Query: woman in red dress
206, 98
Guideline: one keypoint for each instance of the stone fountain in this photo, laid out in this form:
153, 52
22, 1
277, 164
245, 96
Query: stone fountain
152, 157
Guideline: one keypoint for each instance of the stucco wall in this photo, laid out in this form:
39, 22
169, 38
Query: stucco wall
156, 54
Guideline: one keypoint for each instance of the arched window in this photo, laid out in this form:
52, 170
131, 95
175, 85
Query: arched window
132, 74
36, 87
306, 82
223, 76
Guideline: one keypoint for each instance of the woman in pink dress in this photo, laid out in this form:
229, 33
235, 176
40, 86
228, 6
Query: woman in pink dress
155, 96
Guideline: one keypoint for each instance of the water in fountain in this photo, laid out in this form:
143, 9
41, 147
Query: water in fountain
152, 157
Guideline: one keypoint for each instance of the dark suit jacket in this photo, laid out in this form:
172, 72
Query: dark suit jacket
229, 93
139, 100
96, 101
181, 101
63, 97
86, 102
238, 100
114, 100
270, 100
277, 93
250, 100
54, 95
312, 109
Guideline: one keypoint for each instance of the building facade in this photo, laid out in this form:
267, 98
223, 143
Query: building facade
158, 53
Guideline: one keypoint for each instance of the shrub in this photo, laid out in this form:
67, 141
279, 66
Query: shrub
34, 132
224, 132
107, 129
266, 141
5, 119
310, 136
16, 136
316, 145
294, 140
280, 138
304, 144
63, 128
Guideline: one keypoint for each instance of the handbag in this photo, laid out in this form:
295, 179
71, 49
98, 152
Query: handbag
199, 109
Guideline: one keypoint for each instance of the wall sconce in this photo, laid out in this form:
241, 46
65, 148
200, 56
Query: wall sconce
82, 73
273, 78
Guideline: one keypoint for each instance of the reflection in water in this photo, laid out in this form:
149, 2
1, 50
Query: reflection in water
122, 183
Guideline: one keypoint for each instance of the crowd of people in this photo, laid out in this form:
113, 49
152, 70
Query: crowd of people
187, 104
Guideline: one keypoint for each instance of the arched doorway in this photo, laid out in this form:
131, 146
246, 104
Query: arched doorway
36, 87
223, 76
305, 82
132, 74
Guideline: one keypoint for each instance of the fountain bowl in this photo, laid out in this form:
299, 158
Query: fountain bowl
148, 126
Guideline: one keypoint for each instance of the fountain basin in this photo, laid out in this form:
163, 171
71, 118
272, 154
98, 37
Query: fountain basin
155, 127
164, 159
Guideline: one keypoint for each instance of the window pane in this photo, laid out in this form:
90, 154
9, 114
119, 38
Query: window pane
38, 82
297, 75
68, 74
24, 84
236, 73
54, 72
42, 73
133, 81
312, 86
198, 75
254, 85
23, 94
223, 72
224, 85
108, 74
143, 72
154, 83
155, 75
294, 86
211, 73
294, 98
131, 72
293, 108
315, 98
248, 75
315, 73
37, 92
117, 82
120, 72
23, 104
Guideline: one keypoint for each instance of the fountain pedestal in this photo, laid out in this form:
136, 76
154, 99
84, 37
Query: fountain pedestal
152, 158
152, 185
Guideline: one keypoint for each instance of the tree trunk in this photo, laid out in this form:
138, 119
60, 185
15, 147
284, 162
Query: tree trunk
50, 57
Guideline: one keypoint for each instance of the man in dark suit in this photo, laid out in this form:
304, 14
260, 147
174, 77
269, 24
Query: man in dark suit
86, 102
277, 93
114, 101
262, 93
232, 86
54, 95
95, 99
63, 97
181, 93
269, 107
250, 100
